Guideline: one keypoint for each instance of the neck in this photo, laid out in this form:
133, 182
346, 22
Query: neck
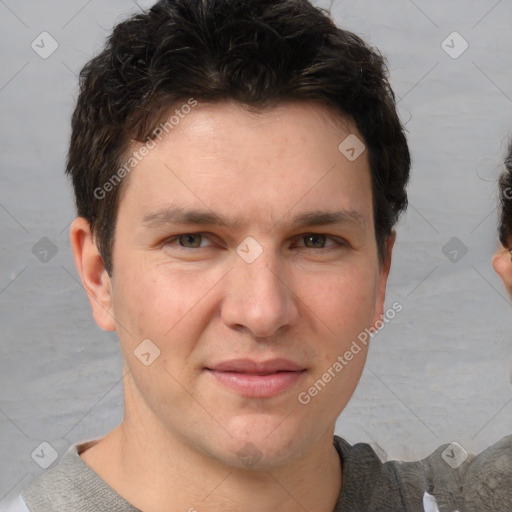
157, 471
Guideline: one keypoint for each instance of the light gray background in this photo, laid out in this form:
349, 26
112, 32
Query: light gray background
438, 372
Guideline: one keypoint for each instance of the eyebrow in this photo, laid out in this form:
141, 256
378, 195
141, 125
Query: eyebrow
184, 216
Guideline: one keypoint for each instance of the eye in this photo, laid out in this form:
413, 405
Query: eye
315, 239
318, 240
186, 241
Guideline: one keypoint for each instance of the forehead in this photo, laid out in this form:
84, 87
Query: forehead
225, 156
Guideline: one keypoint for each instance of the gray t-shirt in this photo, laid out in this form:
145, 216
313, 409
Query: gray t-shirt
449, 480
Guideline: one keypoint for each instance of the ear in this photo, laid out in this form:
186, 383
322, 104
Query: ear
502, 264
383, 277
93, 274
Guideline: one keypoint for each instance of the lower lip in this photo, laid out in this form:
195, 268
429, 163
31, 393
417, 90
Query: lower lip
258, 386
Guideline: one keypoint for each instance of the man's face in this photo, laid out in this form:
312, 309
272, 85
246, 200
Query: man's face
257, 288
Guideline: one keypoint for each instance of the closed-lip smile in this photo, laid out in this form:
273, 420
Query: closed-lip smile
262, 379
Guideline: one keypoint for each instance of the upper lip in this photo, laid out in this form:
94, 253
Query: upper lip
250, 366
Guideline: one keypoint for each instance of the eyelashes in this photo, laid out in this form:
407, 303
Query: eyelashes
336, 242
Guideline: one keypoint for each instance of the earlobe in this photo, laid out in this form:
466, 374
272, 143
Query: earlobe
93, 274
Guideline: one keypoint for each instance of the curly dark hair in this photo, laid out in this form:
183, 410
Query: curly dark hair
505, 188
259, 53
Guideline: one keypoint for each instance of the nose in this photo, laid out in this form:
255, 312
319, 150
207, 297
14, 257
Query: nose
258, 297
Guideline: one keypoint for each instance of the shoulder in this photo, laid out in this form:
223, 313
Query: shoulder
488, 484
394, 485
373, 485
439, 478
72, 486
53, 488
449, 479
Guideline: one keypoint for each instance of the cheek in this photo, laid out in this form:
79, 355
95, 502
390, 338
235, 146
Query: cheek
342, 310
170, 307
345, 302
347, 306
144, 303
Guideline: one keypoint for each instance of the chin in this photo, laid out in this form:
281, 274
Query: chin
265, 444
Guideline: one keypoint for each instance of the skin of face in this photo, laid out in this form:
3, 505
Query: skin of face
201, 303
